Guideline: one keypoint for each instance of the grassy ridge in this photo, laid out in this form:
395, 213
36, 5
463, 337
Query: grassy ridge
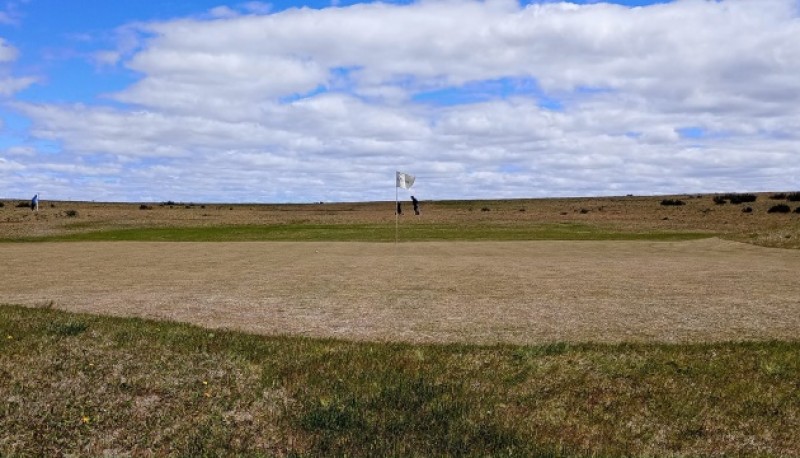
72, 383
368, 233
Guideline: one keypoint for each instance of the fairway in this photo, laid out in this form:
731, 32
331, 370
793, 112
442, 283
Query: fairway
475, 292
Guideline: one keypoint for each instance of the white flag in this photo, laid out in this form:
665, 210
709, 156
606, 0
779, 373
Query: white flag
404, 180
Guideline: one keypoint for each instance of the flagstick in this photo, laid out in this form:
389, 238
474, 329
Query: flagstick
396, 219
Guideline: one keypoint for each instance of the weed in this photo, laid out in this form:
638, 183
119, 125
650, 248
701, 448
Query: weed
778, 196
793, 197
66, 329
71, 213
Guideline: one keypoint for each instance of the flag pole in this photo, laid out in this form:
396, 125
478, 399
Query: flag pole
396, 217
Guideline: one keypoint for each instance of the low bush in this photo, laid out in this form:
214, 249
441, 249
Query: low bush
672, 202
486, 209
735, 198
747, 210
71, 213
145, 207
741, 198
24, 205
2, 205
782, 208
797, 210
778, 196
793, 197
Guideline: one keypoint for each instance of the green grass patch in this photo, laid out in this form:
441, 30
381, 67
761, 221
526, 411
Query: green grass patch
369, 233
91, 385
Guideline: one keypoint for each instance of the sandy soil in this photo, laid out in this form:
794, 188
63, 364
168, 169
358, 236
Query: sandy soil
517, 292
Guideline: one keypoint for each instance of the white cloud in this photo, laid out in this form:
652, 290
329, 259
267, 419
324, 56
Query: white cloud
223, 12
9, 84
257, 7
304, 100
20, 151
8, 53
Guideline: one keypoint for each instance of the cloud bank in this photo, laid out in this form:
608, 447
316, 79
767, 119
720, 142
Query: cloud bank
478, 99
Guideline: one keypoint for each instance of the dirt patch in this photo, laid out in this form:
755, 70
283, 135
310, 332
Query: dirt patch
518, 292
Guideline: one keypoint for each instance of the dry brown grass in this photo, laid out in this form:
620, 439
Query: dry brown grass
520, 292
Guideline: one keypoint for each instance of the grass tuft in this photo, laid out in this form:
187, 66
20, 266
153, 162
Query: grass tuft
67, 329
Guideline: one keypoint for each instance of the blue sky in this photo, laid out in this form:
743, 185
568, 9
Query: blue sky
298, 102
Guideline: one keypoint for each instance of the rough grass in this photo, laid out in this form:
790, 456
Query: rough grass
598, 218
367, 233
89, 385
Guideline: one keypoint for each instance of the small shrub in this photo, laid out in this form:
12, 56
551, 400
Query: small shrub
145, 207
747, 210
735, 198
24, 205
167, 203
778, 196
797, 210
486, 209
2, 205
782, 208
71, 213
741, 198
673, 202
584, 211
793, 197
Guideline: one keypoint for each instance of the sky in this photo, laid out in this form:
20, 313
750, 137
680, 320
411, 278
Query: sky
208, 101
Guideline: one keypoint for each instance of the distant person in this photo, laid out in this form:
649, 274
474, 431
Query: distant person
399, 208
415, 203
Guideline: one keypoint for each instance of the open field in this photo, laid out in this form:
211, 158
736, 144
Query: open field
558, 327
487, 292
526, 219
